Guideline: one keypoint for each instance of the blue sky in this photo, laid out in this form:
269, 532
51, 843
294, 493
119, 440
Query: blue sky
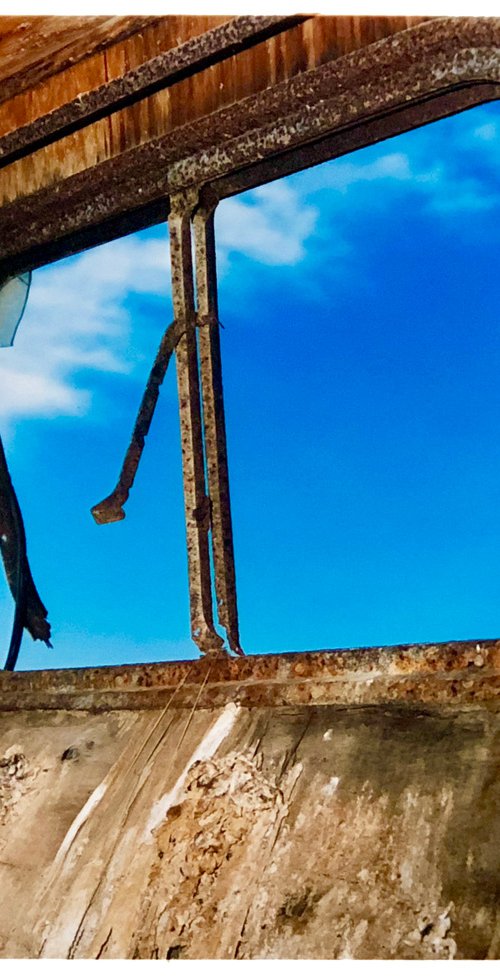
361, 361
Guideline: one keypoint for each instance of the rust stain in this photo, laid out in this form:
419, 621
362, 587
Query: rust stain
445, 674
196, 501
214, 427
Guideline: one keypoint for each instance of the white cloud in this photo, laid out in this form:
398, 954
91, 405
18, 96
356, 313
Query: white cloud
77, 318
77, 315
271, 225
446, 191
343, 174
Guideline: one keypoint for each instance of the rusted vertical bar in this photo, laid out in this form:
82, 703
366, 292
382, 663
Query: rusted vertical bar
213, 418
196, 502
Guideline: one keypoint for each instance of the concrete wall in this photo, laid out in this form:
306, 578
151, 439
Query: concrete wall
366, 829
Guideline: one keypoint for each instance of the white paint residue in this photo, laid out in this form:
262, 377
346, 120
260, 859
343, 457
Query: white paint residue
327, 737
79, 821
406, 872
206, 748
330, 786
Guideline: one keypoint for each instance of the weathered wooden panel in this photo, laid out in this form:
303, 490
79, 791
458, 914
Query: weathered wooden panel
113, 62
348, 825
32, 48
312, 43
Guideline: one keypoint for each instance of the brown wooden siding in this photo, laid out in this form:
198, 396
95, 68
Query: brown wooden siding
314, 42
95, 70
34, 48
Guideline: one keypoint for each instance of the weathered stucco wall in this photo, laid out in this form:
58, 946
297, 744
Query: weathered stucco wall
326, 825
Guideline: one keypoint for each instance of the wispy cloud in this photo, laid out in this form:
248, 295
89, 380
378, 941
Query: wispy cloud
444, 191
486, 133
449, 171
271, 225
345, 175
78, 314
77, 318
342, 175
454, 197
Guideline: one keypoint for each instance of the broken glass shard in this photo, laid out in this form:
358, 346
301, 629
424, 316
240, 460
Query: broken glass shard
13, 298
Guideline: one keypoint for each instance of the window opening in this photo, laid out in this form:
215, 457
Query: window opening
71, 384
195, 338
360, 300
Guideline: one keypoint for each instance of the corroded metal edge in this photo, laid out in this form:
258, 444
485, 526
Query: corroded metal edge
214, 426
110, 509
465, 673
437, 59
196, 501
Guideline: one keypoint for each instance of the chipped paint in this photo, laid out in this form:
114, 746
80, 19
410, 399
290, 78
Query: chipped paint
209, 744
79, 821
330, 787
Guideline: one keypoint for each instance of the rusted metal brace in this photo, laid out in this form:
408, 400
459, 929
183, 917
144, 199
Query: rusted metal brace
111, 508
207, 517
30, 612
196, 502
213, 417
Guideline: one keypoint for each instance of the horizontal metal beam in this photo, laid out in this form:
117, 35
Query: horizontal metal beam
432, 60
351, 138
79, 234
171, 66
445, 675
395, 84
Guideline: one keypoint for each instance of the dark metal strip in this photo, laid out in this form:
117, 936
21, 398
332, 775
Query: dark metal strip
192, 56
213, 420
77, 235
111, 509
350, 138
196, 501
31, 613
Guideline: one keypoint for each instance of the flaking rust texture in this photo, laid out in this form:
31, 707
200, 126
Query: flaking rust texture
329, 826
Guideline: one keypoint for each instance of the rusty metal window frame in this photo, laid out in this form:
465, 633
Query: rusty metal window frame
423, 74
